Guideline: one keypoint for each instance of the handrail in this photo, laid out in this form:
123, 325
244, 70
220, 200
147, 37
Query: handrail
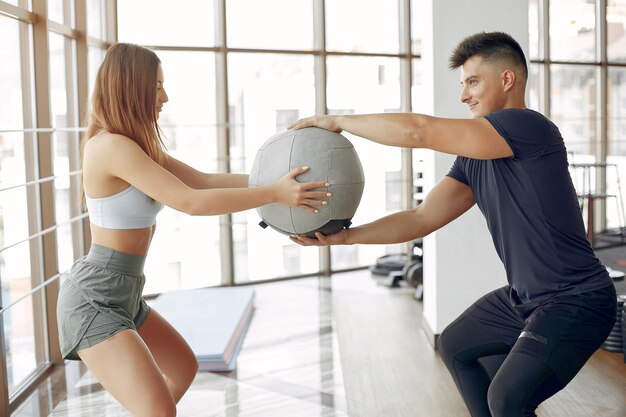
32, 291
41, 180
46, 231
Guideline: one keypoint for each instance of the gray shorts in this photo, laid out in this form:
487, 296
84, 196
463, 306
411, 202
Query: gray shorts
100, 297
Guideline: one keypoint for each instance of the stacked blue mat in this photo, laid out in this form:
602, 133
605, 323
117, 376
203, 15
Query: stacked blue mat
213, 321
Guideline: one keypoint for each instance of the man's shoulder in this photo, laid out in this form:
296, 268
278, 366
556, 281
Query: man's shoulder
520, 118
518, 112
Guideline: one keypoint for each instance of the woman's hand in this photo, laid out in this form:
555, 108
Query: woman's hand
340, 238
324, 122
292, 193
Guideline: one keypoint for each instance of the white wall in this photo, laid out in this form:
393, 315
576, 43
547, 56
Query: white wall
460, 262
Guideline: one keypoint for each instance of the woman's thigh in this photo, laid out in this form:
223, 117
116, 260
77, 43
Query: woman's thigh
170, 351
125, 367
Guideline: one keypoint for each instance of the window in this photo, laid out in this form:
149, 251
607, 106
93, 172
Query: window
40, 218
574, 69
354, 83
260, 86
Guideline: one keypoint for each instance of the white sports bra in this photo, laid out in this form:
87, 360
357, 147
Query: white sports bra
128, 209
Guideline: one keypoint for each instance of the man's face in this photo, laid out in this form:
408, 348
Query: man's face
483, 87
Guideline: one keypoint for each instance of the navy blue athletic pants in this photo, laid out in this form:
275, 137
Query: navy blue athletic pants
544, 344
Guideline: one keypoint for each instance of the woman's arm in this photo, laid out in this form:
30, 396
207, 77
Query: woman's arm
201, 180
117, 156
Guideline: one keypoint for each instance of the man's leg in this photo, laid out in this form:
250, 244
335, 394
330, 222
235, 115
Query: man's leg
557, 341
522, 383
489, 327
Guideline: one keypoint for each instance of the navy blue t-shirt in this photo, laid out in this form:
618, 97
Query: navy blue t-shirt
532, 210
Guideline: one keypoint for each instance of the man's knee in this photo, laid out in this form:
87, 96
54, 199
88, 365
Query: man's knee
504, 402
446, 347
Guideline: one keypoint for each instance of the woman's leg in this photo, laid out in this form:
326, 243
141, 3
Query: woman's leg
171, 352
125, 367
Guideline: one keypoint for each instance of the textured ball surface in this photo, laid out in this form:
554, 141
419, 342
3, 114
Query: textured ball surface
330, 158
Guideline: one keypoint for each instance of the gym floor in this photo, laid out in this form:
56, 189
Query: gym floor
293, 364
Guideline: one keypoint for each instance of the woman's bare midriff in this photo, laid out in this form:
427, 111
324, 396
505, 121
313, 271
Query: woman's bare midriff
132, 241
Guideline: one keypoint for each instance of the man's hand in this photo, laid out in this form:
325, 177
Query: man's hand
324, 122
340, 238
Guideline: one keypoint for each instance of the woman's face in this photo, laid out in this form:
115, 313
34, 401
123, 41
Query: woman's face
161, 95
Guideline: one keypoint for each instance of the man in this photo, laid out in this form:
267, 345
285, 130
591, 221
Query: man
560, 304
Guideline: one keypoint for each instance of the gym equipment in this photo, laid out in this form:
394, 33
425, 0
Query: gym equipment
615, 274
615, 341
330, 158
401, 267
393, 279
214, 322
387, 264
624, 329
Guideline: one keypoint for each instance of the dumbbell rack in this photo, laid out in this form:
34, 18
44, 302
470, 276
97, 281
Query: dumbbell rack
615, 342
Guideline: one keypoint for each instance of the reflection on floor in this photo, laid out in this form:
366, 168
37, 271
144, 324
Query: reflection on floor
289, 363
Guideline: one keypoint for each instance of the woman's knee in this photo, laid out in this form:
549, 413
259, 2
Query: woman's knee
161, 408
189, 374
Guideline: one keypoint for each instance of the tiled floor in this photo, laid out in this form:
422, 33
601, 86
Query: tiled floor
288, 366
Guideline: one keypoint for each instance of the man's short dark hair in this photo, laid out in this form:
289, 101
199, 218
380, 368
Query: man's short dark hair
491, 46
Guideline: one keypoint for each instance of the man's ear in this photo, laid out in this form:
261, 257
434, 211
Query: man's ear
508, 79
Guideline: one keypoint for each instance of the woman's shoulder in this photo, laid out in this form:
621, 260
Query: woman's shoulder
104, 138
105, 142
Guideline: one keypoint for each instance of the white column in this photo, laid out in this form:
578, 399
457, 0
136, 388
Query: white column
460, 262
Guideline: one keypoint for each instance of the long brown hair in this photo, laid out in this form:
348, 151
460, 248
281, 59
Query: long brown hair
124, 98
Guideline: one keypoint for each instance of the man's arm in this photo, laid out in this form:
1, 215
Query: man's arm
444, 203
473, 138
199, 180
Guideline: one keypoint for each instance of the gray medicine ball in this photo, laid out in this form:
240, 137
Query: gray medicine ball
330, 158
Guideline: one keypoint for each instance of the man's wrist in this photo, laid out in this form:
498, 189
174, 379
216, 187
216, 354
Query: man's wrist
339, 121
349, 237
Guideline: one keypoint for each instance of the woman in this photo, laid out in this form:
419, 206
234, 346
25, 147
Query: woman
127, 177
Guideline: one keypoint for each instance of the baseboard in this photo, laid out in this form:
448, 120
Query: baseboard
431, 336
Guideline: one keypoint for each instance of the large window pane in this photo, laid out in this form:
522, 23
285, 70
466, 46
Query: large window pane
55, 10
616, 30
266, 93
616, 176
96, 55
418, 96
418, 13
10, 76
367, 85
362, 26
13, 210
572, 30
18, 320
163, 22
61, 143
258, 24
573, 107
185, 250
15, 262
616, 110
533, 29
96, 17
534, 93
